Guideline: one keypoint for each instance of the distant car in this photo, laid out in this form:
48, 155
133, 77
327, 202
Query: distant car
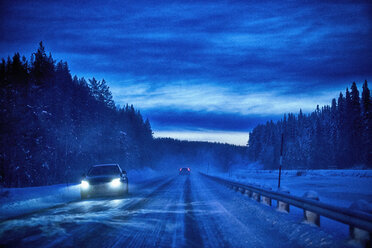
104, 180
184, 171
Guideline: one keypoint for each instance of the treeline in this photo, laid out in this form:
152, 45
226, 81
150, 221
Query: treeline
336, 136
172, 153
53, 126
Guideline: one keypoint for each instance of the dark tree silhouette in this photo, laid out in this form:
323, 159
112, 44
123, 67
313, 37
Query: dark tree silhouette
336, 136
367, 124
53, 126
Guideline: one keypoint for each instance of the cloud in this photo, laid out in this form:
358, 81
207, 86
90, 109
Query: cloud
240, 42
243, 100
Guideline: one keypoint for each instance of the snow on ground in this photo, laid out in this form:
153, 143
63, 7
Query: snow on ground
181, 211
337, 187
19, 201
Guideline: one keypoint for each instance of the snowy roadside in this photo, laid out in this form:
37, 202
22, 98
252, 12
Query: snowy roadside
26, 200
337, 187
19, 201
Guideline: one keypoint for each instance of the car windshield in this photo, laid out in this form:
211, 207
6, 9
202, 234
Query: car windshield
104, 170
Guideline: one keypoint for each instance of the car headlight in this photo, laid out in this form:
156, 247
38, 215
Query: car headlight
115, 183
84, 184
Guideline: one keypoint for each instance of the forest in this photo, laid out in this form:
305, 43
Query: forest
53, 127
337, 136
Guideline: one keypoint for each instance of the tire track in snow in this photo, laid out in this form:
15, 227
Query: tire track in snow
161, 212
192, 232
178, 232
208, 215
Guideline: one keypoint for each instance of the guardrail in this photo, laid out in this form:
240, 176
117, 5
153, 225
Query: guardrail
360, 223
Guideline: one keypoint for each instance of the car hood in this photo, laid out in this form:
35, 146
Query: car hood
100, 179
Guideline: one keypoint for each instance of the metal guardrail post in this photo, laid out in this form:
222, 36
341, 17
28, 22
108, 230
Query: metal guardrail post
265, 199
283, 206
256, 196
359, 236
311, 217
248, 192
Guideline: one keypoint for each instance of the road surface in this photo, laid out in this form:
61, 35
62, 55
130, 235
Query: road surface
181, 211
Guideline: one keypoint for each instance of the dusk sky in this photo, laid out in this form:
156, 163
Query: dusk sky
203, 70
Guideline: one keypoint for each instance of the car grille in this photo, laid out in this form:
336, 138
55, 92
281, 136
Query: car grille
100, 188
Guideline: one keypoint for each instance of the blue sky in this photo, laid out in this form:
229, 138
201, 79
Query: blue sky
208, 70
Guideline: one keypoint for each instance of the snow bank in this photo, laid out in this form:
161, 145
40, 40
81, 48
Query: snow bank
20, 201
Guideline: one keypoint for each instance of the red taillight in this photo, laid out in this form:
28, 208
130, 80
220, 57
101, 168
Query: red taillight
188, 169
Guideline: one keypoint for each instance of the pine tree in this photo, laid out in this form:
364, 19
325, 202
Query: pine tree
42, 67
356, 125
367, 125
148, 127
18, 74
334, 132
106, 94
347, 132
94, 88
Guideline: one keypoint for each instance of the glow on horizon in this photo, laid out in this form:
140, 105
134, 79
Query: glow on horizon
234, 138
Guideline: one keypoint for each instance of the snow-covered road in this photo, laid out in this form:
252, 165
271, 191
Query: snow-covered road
181, 211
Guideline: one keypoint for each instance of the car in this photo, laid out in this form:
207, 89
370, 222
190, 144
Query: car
184, 171
104, 180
